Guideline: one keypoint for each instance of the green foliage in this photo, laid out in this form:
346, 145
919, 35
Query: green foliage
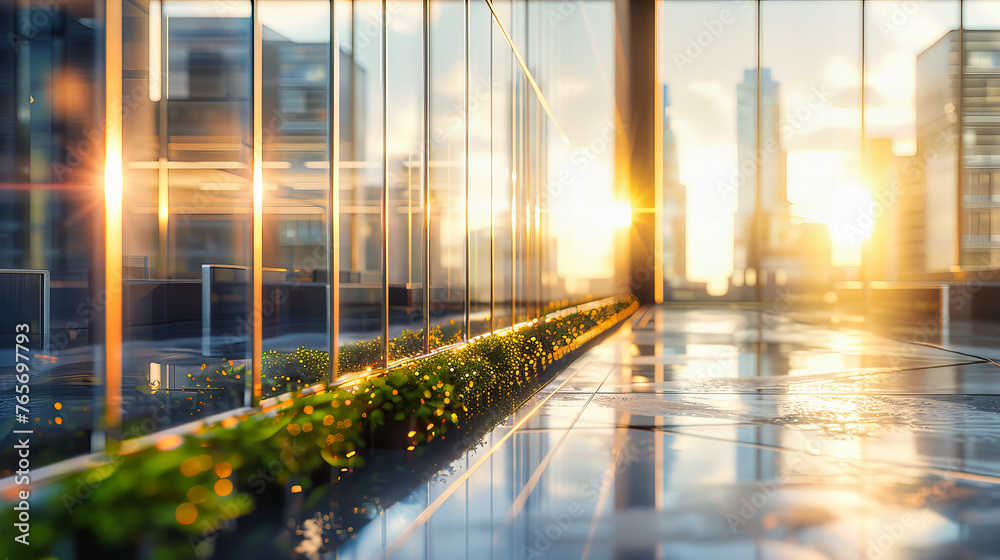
185, 487
287, 371
282, 372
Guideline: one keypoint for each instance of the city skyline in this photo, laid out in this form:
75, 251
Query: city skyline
819, 121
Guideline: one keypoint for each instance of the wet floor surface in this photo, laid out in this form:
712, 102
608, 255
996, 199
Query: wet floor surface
723, 433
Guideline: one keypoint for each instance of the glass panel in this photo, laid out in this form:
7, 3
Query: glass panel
362, 174
447, 171
520, 177
811, 134
575, 67
534, 154
503, 171
51, 226
910, 137
480, 164
980, 103
186, 218
405, 91
296, 50
709, 148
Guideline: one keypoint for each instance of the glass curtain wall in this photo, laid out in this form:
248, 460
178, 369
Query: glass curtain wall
362, 172
522, 181
446, 166
577, 215
502, 164
406, 185
831, 153
709, 148
898, 115
51, 226
187, 97
979, 202
274, 150
810, 198
296, 170
480, 162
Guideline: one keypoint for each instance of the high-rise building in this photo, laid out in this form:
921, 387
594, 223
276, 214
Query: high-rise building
964, 227
910, 217
880, 258
674, 205
755, 240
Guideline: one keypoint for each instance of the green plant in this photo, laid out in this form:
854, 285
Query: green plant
288, 371
187, 486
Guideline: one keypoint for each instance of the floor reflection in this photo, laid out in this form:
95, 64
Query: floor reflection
725, 433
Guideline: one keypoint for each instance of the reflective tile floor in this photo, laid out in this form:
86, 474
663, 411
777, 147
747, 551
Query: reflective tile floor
721, 433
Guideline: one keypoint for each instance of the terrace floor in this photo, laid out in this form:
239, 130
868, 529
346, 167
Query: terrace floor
725, 433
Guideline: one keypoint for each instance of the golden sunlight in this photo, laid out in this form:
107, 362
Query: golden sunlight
709, 211
621, 216
824, 187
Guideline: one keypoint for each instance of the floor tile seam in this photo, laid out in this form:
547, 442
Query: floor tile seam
529, 486
835, 328
970, 476
602, 496
404, 536
786, 393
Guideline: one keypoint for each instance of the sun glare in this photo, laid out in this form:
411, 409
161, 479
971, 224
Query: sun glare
824, 187
621, 217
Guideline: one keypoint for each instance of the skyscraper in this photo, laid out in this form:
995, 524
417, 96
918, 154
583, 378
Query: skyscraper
674, 206
961, 229
754, 240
